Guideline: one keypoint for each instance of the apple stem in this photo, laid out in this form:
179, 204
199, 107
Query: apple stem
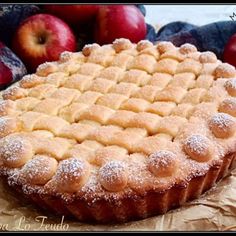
42, 39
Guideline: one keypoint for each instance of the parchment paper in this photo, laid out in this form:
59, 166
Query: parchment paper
214, 211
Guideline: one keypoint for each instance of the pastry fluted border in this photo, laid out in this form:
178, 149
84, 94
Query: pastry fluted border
135, 207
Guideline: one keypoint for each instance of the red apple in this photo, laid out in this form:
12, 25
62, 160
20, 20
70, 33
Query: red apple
42, 38
5, 75
73, 14
229, 54
119, 21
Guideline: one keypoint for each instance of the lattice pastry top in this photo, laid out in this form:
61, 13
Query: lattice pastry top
118, 119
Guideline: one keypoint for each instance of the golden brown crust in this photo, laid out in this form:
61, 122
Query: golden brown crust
145, 126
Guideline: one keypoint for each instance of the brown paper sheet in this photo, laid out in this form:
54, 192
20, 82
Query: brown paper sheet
215, 210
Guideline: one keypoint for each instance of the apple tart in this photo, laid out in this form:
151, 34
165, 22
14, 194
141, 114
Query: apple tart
121, 131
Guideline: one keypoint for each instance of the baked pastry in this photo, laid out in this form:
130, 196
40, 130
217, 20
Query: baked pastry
120, 132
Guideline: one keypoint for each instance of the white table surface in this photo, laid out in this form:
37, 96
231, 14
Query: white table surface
160, 15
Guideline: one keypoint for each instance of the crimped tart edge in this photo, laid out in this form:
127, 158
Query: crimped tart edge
136, 206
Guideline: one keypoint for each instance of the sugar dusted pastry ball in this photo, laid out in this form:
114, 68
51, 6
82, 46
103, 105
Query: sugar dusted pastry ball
39, 170
222, 125
122, 44
208, 57
163, 163
113, 176
198, 147
187, 48
165, 46
230, 86
143, 44
87, 49
15, 151
71, 174
225, 70
228, 106
66, 56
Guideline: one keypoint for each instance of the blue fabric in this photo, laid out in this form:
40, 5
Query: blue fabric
11, 15
151, 33
15, 66
210, 37
10, 60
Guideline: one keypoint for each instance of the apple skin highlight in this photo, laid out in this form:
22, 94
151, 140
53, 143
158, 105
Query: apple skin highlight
76, 14
119, 21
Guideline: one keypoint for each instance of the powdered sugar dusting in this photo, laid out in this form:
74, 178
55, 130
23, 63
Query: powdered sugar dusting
36, 167
122, 44
91, 186
3, 124
29, 81
13, 178
10, 91
30, 189
92, 189
6, 126
11, 147
197, 144
222, 120
44, 65
112, 171
207, 57
231, 83
144, 44
225, 70
28, 78
165, 46
5, 105
70, 168
66, 55
92, 45
47, 68
145, 41
187, 48
230, 104
121, 40
88, 48
162, 158
196, 169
